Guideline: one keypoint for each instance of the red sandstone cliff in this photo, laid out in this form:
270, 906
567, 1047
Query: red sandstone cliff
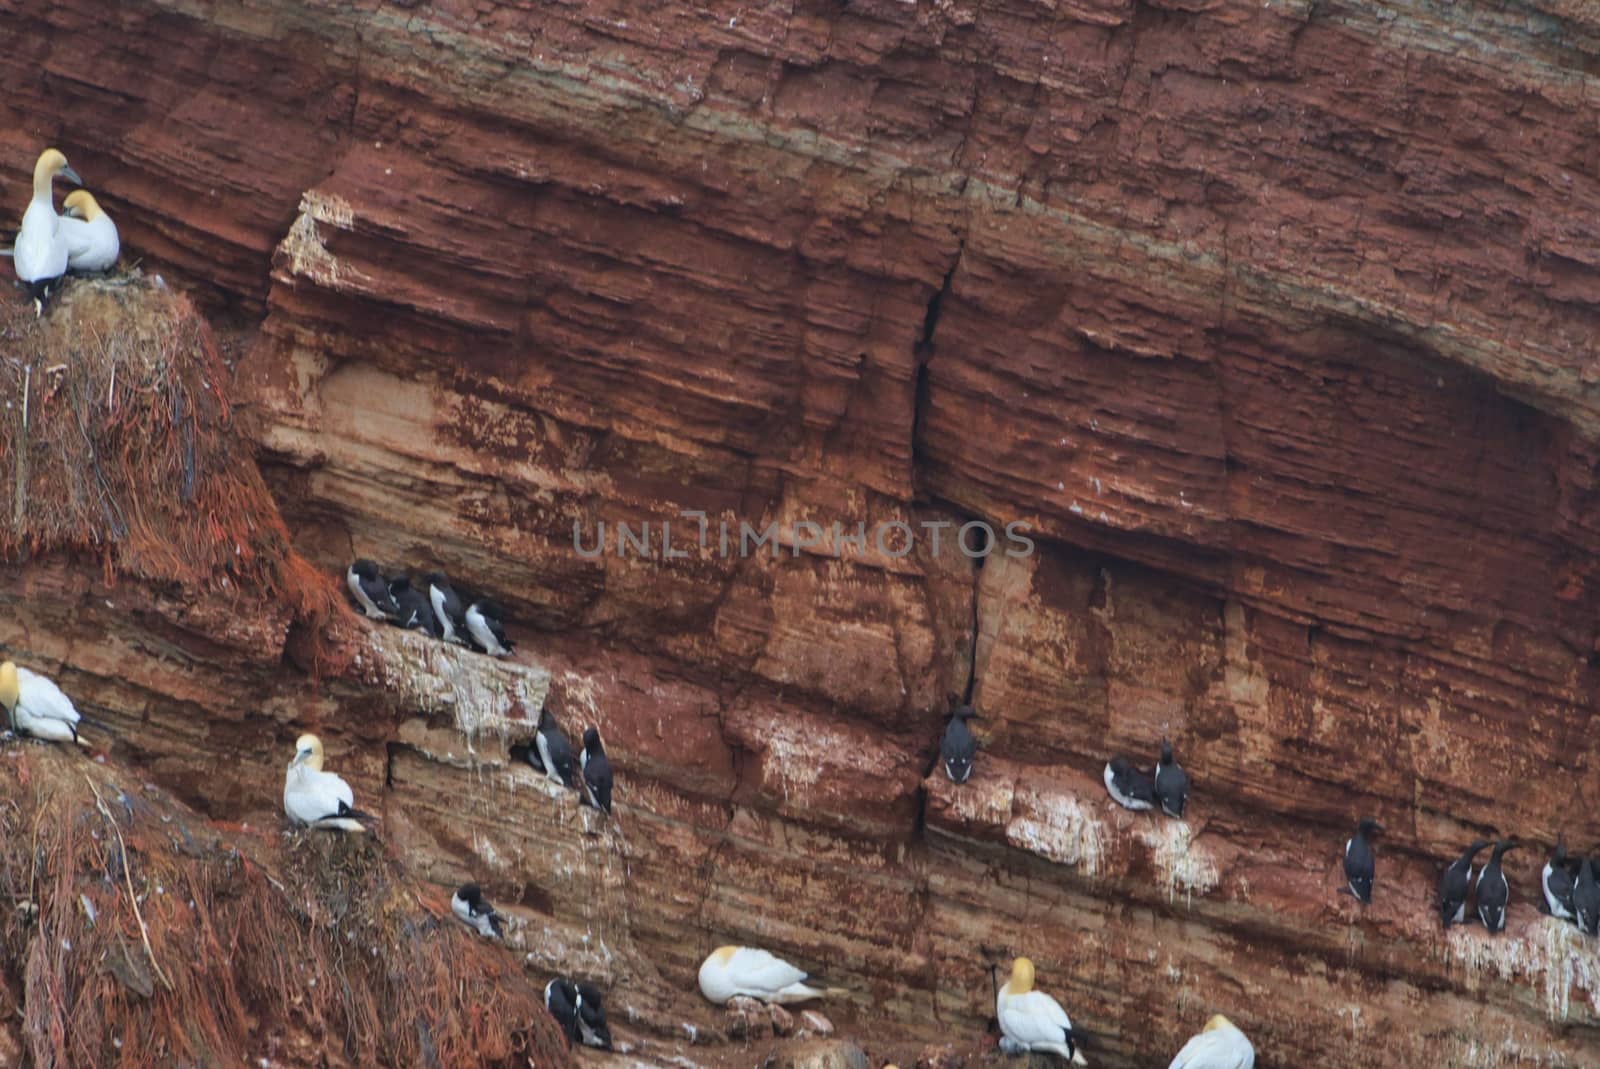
1272, 320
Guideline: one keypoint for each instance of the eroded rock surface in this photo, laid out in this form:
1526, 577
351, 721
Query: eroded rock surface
1273, 322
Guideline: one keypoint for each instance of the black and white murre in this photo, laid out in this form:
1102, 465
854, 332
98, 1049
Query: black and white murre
596, 771
446, 608
1172, 783
1586, 896
411, 608
484, 626
592, 1027
1456, 884
1556, 883
550, 753
370, 590
1493, 890
958, 748
561, 999
1129, 786
473, 910
1358, 863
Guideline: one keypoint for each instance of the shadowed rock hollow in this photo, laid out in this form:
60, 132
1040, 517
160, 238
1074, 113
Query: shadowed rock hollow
1273, 323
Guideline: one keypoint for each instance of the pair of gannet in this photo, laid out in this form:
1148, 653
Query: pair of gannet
49, 245
36, 707
1219, 1046
748, 972
316, 799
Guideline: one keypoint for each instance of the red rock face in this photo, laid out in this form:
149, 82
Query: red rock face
1272, 322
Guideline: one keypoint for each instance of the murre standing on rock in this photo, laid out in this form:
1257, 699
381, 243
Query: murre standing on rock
411, 607
1032, 1020
40, 254
473, 910
446, 608
592, 1027
1220, 1045
555, 752
596, 771
316, 799
732, 972
1456, 884
958, 747
483, 624
1556, 882
370, 590
1172, 783
1586, 897
1358, 865
91, 236
1128, 786
36, 707
1493, 891
561, 999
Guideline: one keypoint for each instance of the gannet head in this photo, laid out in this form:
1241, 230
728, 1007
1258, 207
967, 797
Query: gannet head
1021, 981
52, 163
10, 688
308, 752
1217, 1021
723, 955
81, 204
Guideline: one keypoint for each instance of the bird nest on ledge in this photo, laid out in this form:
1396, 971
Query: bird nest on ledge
117, 442
135, 934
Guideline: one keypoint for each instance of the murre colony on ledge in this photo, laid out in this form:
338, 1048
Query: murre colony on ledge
48, 245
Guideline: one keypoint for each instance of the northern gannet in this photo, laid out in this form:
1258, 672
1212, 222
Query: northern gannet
1456, 884
596, 771
1493, 891
958, 748
1032, 1020
1172, 783
35, 706
92, 242
1358, 864
1129, 786
446, 608
1220, 1045
40, 253
371, 591
733, 972
483, 625
473, 910
317, 799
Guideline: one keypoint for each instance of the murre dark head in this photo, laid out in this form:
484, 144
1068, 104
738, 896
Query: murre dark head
1369, 827
365, 568
591, 739
966, 712
438, 579
471, 894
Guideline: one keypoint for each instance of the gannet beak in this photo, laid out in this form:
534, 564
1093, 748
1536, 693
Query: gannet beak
70, 175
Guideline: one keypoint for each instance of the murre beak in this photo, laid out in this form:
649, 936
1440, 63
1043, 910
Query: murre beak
70, 175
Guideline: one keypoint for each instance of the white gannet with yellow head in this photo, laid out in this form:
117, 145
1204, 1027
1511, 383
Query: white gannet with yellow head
1219, 1046
36, 707
317, 799
748, 972
40, 254
1032, 1020
92, 242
